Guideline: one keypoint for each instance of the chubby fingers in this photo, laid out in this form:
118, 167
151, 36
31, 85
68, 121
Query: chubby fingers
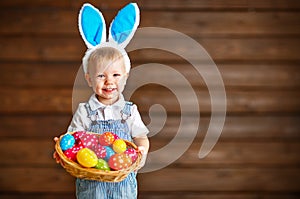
142, 149
56, 157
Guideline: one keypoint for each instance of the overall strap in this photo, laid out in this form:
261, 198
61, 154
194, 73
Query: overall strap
126, 112
91, 114
127, 108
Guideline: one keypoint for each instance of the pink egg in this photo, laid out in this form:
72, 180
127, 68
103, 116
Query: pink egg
132, 153
72, 152
90, 140
116, 136
100, 151
78, 134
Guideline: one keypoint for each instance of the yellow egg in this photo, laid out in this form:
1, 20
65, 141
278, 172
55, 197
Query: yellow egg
87, 158
119, 146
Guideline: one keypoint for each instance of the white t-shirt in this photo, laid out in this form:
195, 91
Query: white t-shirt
81, 121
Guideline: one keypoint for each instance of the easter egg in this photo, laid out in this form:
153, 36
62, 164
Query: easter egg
86, 157
100, 151
132, 154
78, 134
79, 143
102, 165
116, 136
119, 161
79, 146
106, 139
89, 140
67, 142
72, 152
109, 152
119, 146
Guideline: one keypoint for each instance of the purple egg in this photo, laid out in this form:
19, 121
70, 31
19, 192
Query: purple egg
132, 153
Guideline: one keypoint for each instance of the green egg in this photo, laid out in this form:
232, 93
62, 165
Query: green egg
102, 165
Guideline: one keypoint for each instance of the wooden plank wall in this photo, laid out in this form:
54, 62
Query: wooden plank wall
255, 45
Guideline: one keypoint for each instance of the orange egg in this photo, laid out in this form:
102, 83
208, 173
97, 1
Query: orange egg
106, 139
119, 161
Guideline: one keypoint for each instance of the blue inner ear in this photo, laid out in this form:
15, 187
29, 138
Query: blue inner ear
123, 23
92, 25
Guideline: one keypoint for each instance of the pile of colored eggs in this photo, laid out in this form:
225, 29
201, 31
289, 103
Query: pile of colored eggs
101, 151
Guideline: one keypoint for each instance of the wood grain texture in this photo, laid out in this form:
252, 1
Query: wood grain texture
224, 179
255, 45
231, 49
170, 195
162, 5
60, 101
265, 75
195, 23
38, 153
269, 128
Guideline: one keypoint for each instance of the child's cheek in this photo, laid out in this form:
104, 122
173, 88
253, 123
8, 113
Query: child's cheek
122, 84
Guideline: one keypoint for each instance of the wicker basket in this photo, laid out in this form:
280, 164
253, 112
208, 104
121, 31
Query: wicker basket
78, 171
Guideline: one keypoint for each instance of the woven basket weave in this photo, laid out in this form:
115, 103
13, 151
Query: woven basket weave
78, 171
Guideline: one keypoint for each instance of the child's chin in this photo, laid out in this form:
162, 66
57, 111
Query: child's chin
111, 97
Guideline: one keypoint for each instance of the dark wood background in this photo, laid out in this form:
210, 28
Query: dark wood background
255, 45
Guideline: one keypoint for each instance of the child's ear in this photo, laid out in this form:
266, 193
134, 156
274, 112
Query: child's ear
88, 79
126, 77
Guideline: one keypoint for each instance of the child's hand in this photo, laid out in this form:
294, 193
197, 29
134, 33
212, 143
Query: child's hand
143, 147
144, 153
55, 155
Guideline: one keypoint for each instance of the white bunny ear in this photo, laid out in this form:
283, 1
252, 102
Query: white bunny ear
91, 25
124, 25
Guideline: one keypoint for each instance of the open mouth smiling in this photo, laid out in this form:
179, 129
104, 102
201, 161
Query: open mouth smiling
109, 89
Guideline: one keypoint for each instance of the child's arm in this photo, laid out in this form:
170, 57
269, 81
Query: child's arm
77, 124
143, 146
143, 143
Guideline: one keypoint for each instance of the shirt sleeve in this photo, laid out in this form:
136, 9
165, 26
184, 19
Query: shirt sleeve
138, 128
79, 123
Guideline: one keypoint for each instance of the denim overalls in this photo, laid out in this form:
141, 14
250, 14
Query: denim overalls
126, 189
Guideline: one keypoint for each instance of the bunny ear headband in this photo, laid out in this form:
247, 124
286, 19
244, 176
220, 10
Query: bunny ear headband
92, 29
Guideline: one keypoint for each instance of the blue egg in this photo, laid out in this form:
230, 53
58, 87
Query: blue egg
109, 153
67, 142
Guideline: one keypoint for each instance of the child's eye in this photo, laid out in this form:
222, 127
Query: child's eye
117, 75
101, 76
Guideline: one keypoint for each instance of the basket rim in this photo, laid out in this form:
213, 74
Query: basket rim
67, 163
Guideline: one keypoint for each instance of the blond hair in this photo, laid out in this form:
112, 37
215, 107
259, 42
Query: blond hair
104, 57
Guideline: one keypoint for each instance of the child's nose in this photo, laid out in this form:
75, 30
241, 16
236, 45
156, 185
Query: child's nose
109, 80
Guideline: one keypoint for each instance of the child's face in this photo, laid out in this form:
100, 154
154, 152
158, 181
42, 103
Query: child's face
107, 81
